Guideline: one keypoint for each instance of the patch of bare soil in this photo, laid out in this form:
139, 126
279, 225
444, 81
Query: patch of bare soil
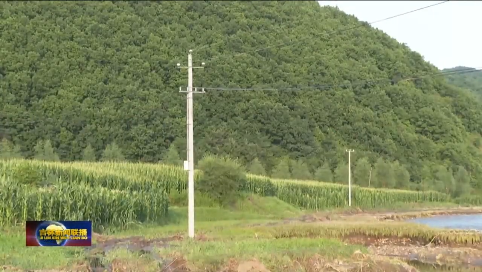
252, 266
360, 215
412, 249
10, 268
134, 244
427, 213
316, 263
359, 262
375, 241
81, 267
431, 255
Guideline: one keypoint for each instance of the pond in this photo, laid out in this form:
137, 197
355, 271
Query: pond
462, 222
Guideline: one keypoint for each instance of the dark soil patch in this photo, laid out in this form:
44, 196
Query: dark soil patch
134, 244
444, 257
368, 240
307, 218
377, 241
427, 213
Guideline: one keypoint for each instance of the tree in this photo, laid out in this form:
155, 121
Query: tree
323, 173
383, 174
462, 178
49, 153
362, 172
112, 153
172, 156
282, 170
39, 151
443, 180
256, 168
8, 151
401, 176
300, 171
5, 149
45, 152
222, 179
16, 152
427, 178
341, 173
89, 154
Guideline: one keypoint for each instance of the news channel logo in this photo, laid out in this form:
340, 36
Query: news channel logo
58, 233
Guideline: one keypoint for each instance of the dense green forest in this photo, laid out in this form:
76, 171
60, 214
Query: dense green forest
467, 78
91, 75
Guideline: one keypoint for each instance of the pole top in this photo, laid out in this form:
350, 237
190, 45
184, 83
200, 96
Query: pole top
190, 50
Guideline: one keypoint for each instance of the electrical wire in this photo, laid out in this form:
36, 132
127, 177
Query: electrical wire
373, 82
329, 33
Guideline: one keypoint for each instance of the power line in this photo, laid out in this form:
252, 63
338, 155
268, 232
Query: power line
329, 33
349, 84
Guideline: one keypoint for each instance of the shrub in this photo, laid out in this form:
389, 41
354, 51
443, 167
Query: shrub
222, 179
27, 174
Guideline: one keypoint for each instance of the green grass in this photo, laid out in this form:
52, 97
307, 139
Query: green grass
228, 226
13, 252
251, 209
272, 253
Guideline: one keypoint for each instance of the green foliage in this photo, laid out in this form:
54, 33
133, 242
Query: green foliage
222, 179
45, 152
27, 174
361, 173
282, 170
172, 156
9, 151
112, 153
300, 171
427, 178
383, 175
324, 173
443, 180
89, 154
341, 173
256, 168
471, 81
109, 77
401, 176
462, 178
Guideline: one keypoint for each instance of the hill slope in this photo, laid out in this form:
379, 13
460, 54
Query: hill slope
471, 81
80, 73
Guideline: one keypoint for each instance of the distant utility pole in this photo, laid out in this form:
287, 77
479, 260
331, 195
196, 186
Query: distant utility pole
189, 164
349, 175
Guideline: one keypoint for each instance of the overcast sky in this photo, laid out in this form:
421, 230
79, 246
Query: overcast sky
447, 35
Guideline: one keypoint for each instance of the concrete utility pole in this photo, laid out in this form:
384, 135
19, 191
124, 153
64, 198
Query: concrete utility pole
189, 164
349, 175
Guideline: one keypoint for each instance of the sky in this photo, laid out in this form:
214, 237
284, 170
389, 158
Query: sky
446, 35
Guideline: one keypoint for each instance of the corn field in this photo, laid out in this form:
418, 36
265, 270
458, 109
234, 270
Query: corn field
316, 195
120, 193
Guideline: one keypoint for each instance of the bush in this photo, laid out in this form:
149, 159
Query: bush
222, 179
27, 174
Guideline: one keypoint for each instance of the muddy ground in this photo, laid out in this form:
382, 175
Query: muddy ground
385, 254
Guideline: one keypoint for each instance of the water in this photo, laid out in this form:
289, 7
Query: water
461, 222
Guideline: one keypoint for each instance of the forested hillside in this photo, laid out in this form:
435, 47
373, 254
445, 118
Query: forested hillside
471, 80
95, 73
